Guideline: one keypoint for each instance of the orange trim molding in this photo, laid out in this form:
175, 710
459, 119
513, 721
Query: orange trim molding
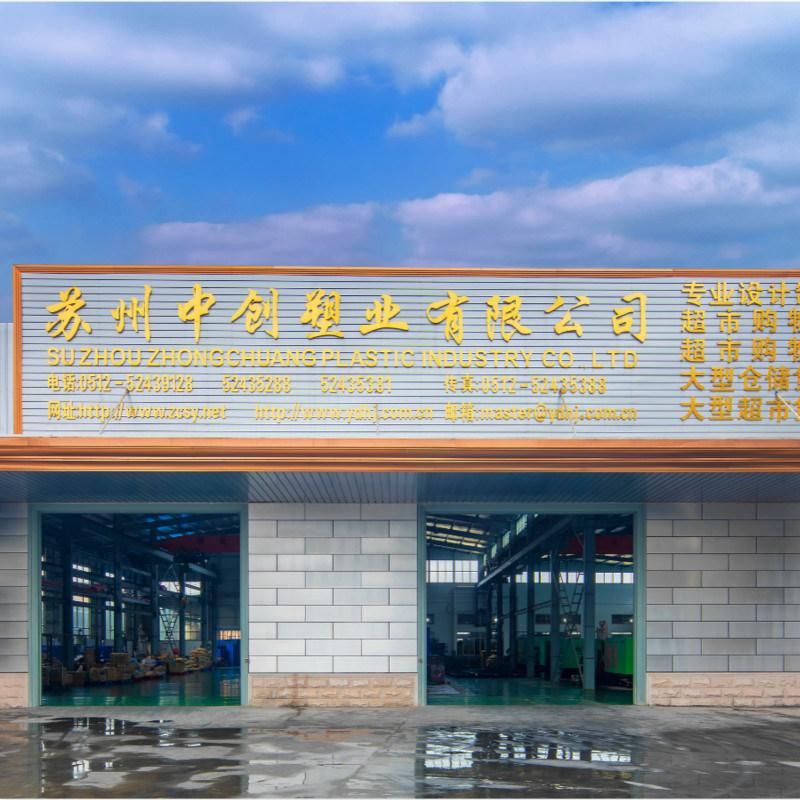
71, 454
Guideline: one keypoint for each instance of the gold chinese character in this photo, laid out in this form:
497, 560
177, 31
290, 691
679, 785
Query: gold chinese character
195, 308
452, 315
468, 412
68, 321
729, 321
721, 294
694, 292
693, 350
778, 410
467, 383
451, 412
257, 311
751, 378
692, 406
765, 349
729, 350
322, 312
622, 321
794, 320
722, 379
777, 293
451, 383
566, 324
778, 379
721, 408
750, 293
693, 374
382, 316
508, 315
793, 348
133, 311
750, 409
693, 320
765, 320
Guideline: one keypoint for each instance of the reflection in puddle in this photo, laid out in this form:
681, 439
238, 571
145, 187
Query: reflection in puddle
453, 749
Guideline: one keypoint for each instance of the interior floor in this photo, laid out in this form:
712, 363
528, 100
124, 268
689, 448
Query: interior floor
518, 691
218, 687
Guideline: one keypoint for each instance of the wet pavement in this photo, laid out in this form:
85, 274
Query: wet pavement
590, 751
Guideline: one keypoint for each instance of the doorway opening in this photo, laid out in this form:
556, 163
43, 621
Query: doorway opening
140, 609
529, 608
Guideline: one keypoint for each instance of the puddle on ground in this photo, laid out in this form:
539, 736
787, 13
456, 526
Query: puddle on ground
94, 756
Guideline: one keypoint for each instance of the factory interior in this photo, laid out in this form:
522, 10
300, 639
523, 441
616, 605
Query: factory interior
140, 609
500, 628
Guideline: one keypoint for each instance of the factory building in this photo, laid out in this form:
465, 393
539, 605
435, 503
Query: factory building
392, 487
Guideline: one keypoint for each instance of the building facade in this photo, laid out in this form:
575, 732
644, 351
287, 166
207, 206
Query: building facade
547, 434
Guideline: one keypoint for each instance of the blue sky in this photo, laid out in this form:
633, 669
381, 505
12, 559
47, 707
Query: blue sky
426, 134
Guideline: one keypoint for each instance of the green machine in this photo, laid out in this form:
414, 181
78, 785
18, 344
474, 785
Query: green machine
617, 657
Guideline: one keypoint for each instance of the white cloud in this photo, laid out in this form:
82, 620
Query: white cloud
414, 126
628, 75
239, 118
713, 213
27, 170
773, 147
84, 50
322, 235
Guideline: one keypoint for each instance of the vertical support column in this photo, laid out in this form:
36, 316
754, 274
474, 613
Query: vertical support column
182, 614
98, 607
118, 645
67, 637
501, 637
489, 617
555, 613
530, 669
513, 637
589, 647
205, 590
213, 621
155, 610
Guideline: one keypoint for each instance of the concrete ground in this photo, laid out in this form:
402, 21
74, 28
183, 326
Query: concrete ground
542, 751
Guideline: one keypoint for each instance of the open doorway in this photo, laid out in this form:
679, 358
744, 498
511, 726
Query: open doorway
529, 608
140, 609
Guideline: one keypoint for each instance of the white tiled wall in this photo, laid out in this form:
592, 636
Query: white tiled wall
13, 588
722, 590
333, 587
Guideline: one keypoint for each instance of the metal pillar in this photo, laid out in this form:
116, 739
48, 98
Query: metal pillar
530, 669
512, 621
182, 614
67, 634
501, 636
489, 625
589, 650
205, 589
155, 611
555, 614
118, 632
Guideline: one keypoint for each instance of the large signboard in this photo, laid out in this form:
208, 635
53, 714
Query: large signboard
295, 353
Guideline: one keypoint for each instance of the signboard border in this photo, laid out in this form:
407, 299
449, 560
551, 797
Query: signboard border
392, 455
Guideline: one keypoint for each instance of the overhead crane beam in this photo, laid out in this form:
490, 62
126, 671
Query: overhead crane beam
557, 527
